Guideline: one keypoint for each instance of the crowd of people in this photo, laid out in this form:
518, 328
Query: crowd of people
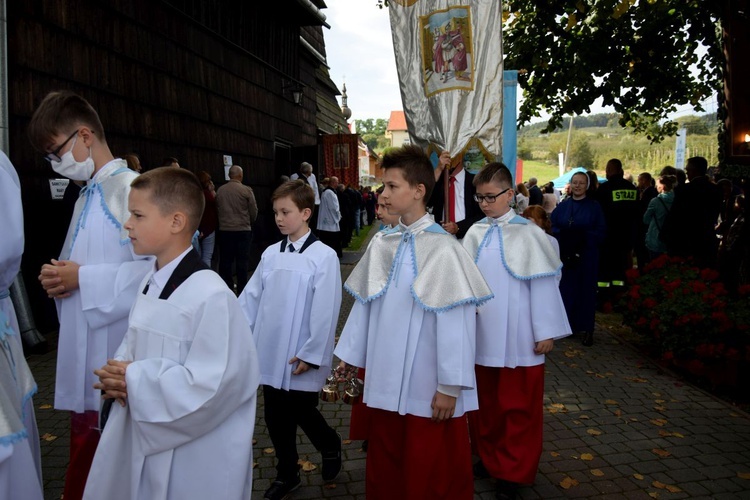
458, 298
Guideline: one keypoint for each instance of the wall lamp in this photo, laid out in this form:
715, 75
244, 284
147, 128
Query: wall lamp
296, 90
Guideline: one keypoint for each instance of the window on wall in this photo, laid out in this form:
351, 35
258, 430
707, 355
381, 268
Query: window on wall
282, 158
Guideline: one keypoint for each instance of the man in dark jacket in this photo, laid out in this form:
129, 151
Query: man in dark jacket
689, 227
535, 193
465, 211
619, 200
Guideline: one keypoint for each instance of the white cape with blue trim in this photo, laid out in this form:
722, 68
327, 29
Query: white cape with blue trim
435, 251
526, 251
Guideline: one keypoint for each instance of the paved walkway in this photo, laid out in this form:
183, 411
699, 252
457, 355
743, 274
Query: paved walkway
616, 426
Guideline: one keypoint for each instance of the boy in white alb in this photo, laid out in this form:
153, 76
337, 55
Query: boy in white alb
186, 374
413, 328
20, 466
514, 331
292, 304
95, 280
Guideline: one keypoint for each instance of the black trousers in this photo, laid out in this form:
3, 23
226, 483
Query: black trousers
234, 248
332, 239
284, 411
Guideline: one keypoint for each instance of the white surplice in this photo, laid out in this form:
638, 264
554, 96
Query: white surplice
411, 352
93, 320
525, 309
20, 465
292, 305
187, 429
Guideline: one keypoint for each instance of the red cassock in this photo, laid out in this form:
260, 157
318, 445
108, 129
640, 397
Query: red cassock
84, 438
414, 458
506, 431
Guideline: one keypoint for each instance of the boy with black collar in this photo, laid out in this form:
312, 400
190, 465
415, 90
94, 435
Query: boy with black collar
186, 374
292, 305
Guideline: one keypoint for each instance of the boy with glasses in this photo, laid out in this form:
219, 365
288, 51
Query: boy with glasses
94, 282
515, 329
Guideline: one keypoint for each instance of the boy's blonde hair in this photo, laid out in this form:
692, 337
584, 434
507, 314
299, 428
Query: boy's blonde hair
415, 165
60, 112
298, 191
174, 190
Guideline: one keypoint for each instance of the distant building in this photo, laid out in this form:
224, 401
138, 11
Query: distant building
397, 131
369, 171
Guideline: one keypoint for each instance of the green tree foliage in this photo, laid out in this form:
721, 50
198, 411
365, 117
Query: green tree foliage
374, 126
581, 154
641, 57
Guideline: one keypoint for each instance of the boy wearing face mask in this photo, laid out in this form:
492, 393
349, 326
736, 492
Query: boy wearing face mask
94, 282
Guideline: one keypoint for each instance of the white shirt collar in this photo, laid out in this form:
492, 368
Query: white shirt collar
159, 279
299, 243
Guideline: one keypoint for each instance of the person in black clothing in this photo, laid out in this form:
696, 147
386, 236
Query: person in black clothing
465, 210
689, 229
619, 201
535, 193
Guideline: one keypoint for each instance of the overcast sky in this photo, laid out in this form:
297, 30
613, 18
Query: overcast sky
359, 51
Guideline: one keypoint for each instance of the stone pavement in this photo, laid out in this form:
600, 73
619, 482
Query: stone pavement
616, 426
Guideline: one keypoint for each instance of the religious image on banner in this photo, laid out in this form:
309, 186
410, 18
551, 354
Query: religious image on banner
340, 157
447, 59
473, 158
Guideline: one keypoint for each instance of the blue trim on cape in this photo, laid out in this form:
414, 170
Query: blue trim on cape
486, 242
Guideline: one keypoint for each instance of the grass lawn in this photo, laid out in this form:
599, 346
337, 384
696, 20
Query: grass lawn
357, 241
539, 169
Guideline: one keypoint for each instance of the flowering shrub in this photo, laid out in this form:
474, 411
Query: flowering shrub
688, 314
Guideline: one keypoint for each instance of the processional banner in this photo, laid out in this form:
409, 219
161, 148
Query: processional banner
450, 70
341, 157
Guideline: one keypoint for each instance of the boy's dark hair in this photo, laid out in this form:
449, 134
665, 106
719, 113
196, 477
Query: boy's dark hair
298, 191
174, 190
496, 172
60, 112
167, 162
415, 165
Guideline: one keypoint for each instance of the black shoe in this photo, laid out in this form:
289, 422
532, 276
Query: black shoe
364, 445
506, 490
280, 489
480, 471
588, 339
332, 462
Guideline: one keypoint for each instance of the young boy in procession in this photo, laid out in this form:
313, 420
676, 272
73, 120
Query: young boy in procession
292, 305
514, 331
413, 328
94, 281
186, 374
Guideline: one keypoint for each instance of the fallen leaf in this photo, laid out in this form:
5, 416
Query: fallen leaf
590, 372
346, 441
637, 379
49, 437
599, 375
587, 457
743, 475
45, 407
609, 374
638, 476
661, 453
660, 408
255, 441
573, 365
634, 419
659, 401
656, 394
658, 484
596, 472
653, 494
577, 422
307, 465
559, 406
554, 453
658, 421
733, 414
255, 464
330, 486
673, 489
670, 434
268, 451
618, 413
583, 417
594, 432
568, 482
611, 402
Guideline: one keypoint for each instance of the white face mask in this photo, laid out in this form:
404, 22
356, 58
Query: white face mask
72, 169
